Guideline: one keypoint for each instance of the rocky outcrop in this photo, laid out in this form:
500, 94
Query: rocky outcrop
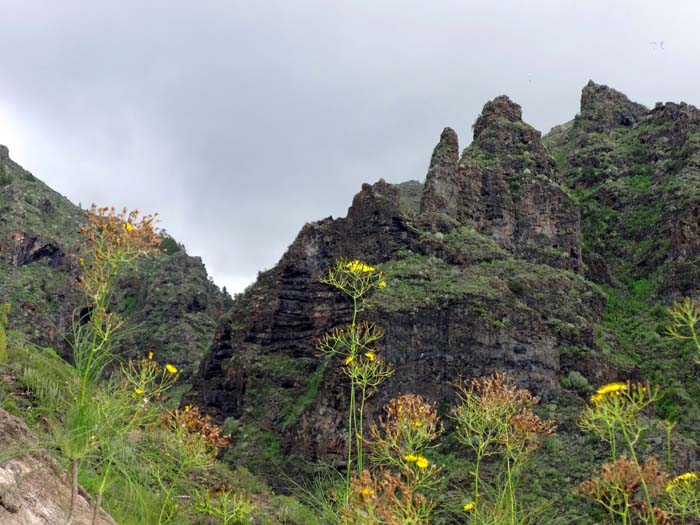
32, 249
603, 108
33, 488
506, 186
478, 281
637, 173
444, 189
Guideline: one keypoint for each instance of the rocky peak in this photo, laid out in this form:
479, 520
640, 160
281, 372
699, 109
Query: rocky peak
4, 152
500, 130
441, 183
499, 109
375, 201
603, 108
505, 185
674, 112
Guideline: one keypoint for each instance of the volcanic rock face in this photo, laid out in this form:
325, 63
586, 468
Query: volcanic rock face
480, 280
505, 186
636, 173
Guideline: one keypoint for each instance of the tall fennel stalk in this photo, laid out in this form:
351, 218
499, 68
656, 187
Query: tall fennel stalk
614, 410
112, 242
494, 418
355, 345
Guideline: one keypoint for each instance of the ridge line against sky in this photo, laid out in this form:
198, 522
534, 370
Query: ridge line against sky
240, 121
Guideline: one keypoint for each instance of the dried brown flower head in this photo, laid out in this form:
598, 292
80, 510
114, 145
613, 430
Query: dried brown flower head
620, 483
191, 421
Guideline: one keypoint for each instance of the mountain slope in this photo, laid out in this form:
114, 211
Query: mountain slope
172, 305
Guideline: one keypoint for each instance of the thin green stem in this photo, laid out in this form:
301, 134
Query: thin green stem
168, 493
351, 411
360, 433
479, 456
645, 488
511, 490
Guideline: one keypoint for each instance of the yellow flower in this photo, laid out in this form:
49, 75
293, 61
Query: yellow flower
150, 356
366, 491
417, 424
356, 266
469, 506
688, 476
382, 284
370, 356
171, 369
138, 390
422, 462
596, 398
128, 227
349, 359
611, 388
187, 408
81, 261
410, 458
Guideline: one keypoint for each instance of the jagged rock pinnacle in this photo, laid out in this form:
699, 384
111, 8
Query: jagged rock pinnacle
499, 108
604, 108
505, 185
4, 152
441, 184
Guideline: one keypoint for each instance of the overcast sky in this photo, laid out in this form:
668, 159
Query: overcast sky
239, 121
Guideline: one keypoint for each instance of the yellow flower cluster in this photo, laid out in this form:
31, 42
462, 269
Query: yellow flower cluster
469, 506
683, 478
171, 369
356, 266
606, 390
420, 461
371, 357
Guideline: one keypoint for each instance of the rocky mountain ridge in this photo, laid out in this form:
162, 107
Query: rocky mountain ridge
484, 276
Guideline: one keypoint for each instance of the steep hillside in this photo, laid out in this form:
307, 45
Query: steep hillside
635, 173
172, 305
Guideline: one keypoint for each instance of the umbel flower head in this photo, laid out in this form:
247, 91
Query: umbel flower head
356, 266
686, 478
354, 278
608, 390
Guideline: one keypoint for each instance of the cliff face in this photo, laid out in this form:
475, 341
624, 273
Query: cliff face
636, 174
485, 277
172, 306
505, 185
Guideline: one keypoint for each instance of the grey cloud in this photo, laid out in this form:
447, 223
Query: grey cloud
240, 121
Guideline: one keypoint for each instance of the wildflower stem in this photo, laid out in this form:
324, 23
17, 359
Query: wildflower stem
351, 417
645, 488
75, 466
359, 433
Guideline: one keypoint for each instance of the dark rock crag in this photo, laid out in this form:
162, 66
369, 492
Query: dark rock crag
505, 185
485, 277
636, 173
